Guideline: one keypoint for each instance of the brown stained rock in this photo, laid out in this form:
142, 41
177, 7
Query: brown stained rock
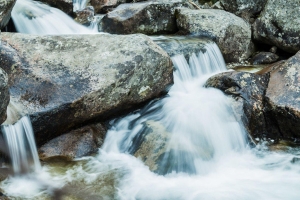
6, 7
231, 33
75, 144
151, 17
101, 6
64, 81
283, 99
84, 16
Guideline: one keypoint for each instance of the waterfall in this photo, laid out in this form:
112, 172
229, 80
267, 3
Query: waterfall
21, 146
200, 121
37, 18
79, 4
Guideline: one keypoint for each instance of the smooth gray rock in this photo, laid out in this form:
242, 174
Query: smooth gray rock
64, 81
4, 95
279, 25
6, 7
231, 33
151, 17
244, 8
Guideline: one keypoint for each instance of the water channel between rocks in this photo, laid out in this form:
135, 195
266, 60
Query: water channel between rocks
187, 145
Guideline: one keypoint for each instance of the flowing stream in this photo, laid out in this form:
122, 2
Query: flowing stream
37, 18
187, 145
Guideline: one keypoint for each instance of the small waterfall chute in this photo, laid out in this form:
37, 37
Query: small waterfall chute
200, 120
21, 146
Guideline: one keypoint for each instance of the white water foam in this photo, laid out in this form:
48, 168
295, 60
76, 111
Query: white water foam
33, 17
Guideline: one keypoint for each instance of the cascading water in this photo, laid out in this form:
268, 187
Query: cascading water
201, 124
21, 146
36, 18
217, 163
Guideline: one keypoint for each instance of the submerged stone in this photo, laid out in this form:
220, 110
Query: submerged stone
63, 81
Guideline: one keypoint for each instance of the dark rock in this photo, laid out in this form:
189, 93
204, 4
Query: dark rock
231, 33
273, 49
4, 95
6, 7
186, 46
244, 8
151, 17
64, 81
84, 16
264, 58
279, 25
295, 160
64, 5
75, 144
283, 100
248, 91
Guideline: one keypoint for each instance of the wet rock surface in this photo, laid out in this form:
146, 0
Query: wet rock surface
231, 33
63, 81
103, 6
186, 46
85, 16
264, 58
75, 144
279, 25
244, 8
248, 91
6, 7
151, 17
4, 95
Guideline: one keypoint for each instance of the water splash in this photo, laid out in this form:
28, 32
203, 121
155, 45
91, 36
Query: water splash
37, 18
200, 121
21, 145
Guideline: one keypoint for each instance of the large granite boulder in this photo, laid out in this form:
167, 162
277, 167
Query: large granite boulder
248, 91
151, 17
231, 33
4, 95
279, 25
283, 99
75, 144
244, 8
6, 7
63, 81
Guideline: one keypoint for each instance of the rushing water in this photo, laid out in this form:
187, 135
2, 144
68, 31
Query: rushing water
37, 18
187, 145
21, 145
